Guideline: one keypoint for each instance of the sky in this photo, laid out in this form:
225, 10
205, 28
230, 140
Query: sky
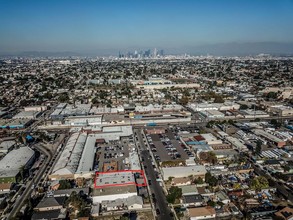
106, 26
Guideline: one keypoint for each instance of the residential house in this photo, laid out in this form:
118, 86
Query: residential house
201, 213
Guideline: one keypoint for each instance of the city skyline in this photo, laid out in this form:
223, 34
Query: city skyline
107, 27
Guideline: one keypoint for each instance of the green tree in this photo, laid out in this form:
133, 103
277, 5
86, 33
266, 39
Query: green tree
276, 123
77, 203
231, 122
209, 157
258, 147
174, 193
198, 180
272, 95
210, 179
219, 99
259, 183
64, 184
243, 107
286, 168
211, 203
184, 100
63, 97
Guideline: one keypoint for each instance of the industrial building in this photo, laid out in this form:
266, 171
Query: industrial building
5, 146
37, 108
212, 114
211, 139
162, 86
114, 186
117, 178
197, 107
254, 114
64, 110
183, 171
236, 143
16, 123
281, 110
70, 158
12, 163
113, 193
78, 155
27, 115
129, 203
277, 141
83, 120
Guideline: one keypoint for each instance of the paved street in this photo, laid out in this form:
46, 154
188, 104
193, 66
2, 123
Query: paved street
160, 199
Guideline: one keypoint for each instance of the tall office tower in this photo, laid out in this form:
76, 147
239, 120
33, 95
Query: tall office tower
147, 53
161, 53
155, 52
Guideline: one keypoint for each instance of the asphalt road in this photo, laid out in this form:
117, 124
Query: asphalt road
160, 201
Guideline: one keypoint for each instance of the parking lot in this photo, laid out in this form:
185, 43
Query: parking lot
165, 147
110, 156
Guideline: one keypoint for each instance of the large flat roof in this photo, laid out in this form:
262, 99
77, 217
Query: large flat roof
115, 190
70, 156
79, 152
26, 114
267, 135
15, 159
87, 157
183, 171
108, 179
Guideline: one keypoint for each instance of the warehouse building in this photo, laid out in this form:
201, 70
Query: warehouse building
178, 172
5, 146
277, 141
37, 108
12, 163
212, 114
113, 193
281, 110
197, 107
68, 161
211, 139
64, 110
27, 115
83, 121
77, 157
254, 114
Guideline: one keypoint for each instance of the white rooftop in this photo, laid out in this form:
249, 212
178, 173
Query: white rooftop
5, 145
26, 114
183, 171
15, 159
88, 155
70, 156
112, 178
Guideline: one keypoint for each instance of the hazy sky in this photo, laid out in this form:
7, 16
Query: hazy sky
101, 25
